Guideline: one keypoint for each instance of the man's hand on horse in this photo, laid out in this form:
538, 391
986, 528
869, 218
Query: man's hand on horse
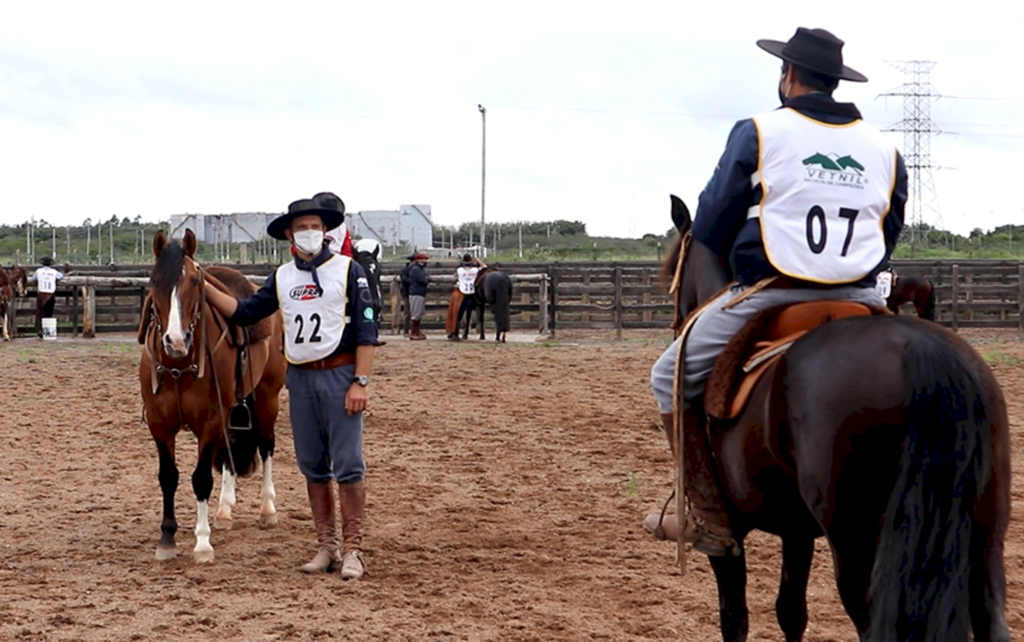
356, 399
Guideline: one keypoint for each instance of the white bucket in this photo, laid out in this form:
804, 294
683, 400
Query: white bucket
49, 329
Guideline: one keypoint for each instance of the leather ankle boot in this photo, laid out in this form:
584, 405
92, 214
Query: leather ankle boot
707, 525
321, 501
352, 500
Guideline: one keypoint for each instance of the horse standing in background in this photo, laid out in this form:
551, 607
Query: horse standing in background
916, 290
6, 304
900, 458
494, 289
192, 372
367, 254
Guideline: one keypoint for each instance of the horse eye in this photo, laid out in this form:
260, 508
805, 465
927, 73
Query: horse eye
195, 282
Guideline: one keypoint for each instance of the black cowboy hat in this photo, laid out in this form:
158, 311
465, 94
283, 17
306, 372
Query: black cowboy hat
467, 259
816, 50
47, 261
330, 208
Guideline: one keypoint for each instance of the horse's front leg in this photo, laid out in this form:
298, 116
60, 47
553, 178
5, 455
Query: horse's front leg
480, 321
731, 576
268, 512
791, 605
166, 549
202, 486
223, 520
3, 321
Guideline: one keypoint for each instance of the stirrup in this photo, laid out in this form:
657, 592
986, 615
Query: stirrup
714, 540
240, 418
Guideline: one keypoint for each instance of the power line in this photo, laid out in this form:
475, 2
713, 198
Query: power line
917, 127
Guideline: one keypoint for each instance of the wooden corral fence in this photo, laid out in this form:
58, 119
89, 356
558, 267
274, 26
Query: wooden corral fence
546, 297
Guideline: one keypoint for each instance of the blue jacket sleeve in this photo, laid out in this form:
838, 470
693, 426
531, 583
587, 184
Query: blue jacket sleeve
723, 205
364, 323
260, 304
893, 224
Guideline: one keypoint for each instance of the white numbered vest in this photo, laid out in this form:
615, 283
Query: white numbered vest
826, 193
467, 279
313, 325
46, 278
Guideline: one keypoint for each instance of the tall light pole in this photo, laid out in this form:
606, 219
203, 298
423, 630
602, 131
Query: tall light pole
483, 175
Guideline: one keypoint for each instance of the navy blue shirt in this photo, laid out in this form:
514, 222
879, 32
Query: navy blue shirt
361, 328
418, 280
721, 221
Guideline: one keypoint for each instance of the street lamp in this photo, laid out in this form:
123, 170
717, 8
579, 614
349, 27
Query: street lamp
483, 175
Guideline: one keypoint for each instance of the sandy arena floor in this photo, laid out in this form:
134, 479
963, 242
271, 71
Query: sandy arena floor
507, 484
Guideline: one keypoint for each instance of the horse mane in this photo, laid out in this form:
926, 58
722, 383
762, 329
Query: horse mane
668, 267
167, 269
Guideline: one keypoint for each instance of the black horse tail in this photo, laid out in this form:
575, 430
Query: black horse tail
498, 290
919, 584
242, 447
928, 311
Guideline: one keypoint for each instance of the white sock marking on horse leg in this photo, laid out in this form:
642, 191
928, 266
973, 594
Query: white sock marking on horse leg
203, 551
222, 520
268, 513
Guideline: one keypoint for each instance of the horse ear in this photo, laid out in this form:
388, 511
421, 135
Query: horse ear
376, 252
189, 243
680, 214
159, 242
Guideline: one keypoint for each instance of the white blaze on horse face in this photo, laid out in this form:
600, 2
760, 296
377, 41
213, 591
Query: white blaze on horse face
174, 337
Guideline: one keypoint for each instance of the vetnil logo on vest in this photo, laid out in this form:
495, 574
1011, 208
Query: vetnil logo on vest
833, 169
304, 292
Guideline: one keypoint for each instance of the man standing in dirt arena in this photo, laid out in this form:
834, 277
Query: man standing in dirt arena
46, 279
418, 282
330, 335
807, 195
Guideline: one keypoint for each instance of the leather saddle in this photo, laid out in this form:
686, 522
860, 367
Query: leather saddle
761, 343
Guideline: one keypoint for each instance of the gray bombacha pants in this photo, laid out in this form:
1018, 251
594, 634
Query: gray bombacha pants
716, 326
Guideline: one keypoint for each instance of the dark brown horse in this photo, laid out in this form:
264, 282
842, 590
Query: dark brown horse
915, 290
493, 288
888, 436
192, 379
6, 304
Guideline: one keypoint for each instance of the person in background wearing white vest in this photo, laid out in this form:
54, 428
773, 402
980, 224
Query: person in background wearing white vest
46, 279
809, 193
330, 335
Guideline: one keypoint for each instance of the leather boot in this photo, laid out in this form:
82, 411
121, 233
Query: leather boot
352, 500
415, 333
707, 525
321, 501
660, 525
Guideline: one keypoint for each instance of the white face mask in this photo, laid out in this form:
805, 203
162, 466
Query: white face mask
309, 241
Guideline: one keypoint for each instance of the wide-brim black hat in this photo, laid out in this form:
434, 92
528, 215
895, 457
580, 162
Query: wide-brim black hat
330, 208
816, 50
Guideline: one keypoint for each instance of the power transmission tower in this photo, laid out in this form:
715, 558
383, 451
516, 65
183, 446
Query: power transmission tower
917, 127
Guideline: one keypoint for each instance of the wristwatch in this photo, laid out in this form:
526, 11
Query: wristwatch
362, 380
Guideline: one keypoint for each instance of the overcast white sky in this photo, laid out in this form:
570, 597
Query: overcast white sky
596, 111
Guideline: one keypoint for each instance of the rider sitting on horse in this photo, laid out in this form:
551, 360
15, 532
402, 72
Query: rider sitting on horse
806, 204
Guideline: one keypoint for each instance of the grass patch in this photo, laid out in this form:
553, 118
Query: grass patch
997, 357
628, 486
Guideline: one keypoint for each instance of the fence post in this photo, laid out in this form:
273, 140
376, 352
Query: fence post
1020, 302
955, 303
542, 304
553, 320
618, 302
74, 312
395, 306
88, 311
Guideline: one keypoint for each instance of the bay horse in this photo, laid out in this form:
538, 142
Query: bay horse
916, 290
494, 289
191, 374
887, 435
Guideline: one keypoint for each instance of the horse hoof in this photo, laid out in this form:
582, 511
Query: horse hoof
266, 521
203, 556
166, 553
222, 524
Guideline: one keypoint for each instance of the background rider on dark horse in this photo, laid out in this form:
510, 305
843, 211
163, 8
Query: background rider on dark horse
808, 192
45, 279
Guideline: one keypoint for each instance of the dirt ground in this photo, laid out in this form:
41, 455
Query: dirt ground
507, 484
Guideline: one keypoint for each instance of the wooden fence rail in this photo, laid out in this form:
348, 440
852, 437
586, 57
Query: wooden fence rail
546, 297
